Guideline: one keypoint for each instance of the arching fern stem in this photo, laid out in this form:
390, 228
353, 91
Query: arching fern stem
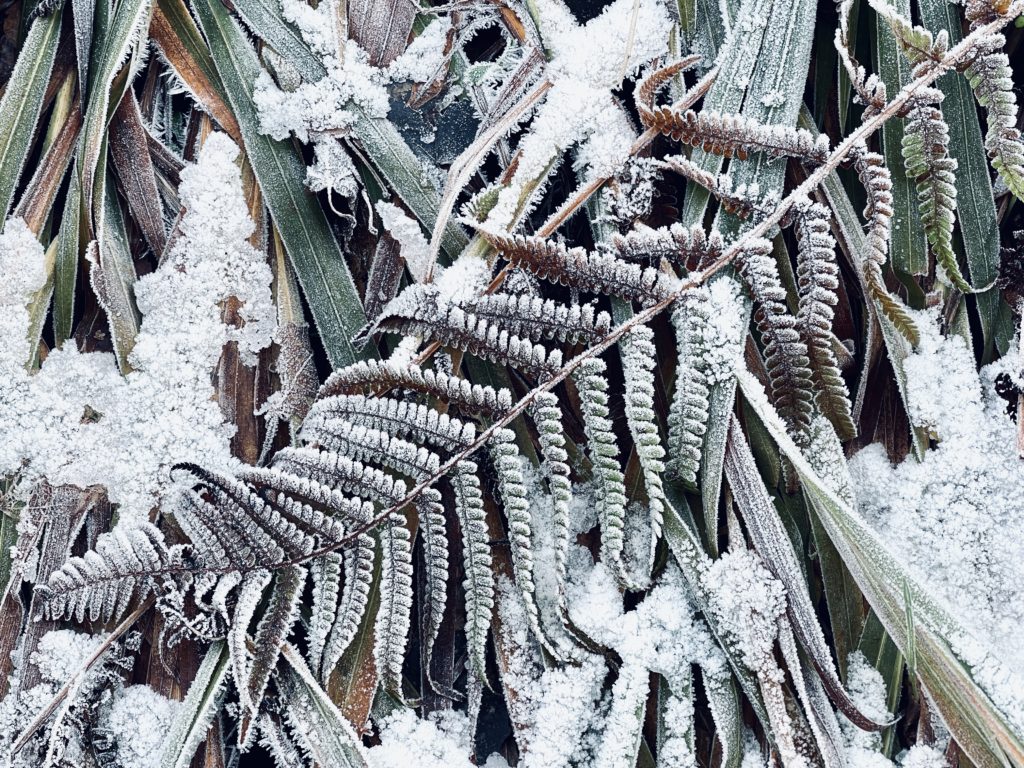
953, 58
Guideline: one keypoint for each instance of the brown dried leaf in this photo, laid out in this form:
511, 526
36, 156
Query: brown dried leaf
129, 148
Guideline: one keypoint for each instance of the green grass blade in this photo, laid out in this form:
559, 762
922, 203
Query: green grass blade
110, 51
22, 103
280, 170
65, 275
882, 653
736, 63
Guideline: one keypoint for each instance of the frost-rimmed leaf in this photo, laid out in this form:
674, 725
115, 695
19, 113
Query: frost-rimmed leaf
174, 32
127, 24
65, 268
113, 276
205, 697
773, 543
22, 103
250, 592
325, 733
273, 629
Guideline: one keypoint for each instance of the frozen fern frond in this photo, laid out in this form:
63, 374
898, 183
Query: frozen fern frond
690, 411
604, 454
357, 567
541, 460
992, 80
376, 376
512, 491
422, 310
547, 415
742, 201
926, 155
917, 43
531, 317
639, 358
785, 352
104, 583
735, 135
818, 281
399, 418
684, 246
476, 551
588, 271
729, 135
325, 574
391, 629
877, 183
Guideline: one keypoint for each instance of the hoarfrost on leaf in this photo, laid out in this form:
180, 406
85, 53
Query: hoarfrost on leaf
414, 246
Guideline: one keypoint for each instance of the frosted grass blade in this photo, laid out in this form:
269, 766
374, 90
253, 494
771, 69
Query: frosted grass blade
22, 103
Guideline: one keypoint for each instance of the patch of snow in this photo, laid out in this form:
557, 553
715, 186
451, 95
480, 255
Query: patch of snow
424, 56
140, 721
323, 106
947, 517
441, 741
79, 421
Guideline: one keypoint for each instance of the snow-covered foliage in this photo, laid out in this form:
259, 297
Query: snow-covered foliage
327, 106
951, 512
579, 109
78, 420
640, 447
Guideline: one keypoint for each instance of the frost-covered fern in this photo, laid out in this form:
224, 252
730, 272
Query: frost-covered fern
611, 469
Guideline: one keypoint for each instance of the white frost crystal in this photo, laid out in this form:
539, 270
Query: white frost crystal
78, 421
140, 721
